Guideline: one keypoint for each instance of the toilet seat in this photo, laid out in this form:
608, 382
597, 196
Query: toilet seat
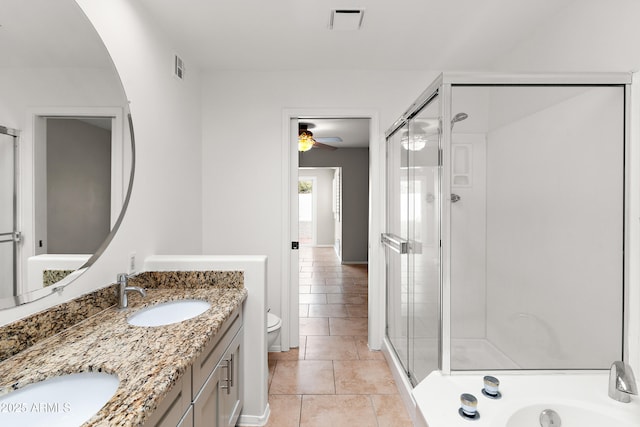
273, 322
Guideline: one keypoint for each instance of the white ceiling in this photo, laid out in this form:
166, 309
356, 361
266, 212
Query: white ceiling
353, 132
400, 34
289, 34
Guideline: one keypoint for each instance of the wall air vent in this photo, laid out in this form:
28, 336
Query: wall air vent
346, 19
178, 67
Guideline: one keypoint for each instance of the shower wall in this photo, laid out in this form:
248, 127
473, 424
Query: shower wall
468, 233
537, 236
555, 212
469, 239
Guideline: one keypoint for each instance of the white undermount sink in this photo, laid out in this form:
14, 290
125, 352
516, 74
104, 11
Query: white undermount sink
66, 400
168, 312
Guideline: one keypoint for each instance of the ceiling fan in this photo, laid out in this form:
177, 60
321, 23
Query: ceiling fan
306, 140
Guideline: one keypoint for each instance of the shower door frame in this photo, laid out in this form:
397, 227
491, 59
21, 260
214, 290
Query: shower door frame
14, 236
442, 86
433, 92
631, 267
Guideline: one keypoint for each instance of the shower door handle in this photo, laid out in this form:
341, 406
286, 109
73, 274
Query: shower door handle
395, 243
14, 237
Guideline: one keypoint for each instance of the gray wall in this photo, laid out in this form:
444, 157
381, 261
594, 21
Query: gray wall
78, 186
355, 195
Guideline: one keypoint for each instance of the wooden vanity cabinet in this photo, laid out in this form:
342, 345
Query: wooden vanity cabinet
230, 396
173, 409
216, 377
212, 386
187, 418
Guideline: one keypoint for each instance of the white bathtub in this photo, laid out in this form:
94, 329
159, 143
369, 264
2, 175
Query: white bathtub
581, 400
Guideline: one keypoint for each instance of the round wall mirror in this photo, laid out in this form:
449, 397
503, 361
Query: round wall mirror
66, 148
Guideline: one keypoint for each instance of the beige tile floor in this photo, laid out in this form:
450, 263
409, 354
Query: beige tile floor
332, 379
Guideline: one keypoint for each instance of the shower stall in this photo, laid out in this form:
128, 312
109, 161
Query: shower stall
505, 224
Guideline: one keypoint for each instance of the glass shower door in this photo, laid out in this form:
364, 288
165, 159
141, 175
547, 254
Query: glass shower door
396, 244
8, 234
412, 242
424, 233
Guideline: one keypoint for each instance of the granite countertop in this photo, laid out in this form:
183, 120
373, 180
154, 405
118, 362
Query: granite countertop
147, 360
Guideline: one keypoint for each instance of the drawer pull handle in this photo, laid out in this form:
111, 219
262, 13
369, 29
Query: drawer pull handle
232, 369
226, 380
229, 383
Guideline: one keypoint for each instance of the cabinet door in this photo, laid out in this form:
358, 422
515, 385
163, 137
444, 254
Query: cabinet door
206, 406
170, 412
214, 352
231, 392
187, 419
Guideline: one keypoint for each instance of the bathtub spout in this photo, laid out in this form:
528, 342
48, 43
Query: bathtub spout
622, 382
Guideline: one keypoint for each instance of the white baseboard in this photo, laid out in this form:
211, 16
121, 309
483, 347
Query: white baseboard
254, 420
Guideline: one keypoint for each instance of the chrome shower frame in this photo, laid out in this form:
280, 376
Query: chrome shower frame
442, 87
13, 237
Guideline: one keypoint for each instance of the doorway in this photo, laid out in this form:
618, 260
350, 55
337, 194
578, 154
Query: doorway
307, 210
73, 185
319, 208
365, 198
39, 174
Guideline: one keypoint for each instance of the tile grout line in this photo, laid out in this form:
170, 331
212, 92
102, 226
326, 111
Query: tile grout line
375, 414
335, 387
347, 279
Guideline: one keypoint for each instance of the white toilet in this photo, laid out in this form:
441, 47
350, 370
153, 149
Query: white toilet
273, 329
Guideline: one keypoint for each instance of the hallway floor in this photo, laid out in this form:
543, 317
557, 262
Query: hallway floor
333, 379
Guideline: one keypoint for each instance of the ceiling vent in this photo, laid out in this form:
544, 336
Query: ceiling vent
178, 67
346, 19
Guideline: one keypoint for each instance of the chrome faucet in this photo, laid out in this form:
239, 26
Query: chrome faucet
123, 289
622, 382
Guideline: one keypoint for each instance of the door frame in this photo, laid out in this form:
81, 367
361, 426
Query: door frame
35, 127
314, 208
290, 335
13, 236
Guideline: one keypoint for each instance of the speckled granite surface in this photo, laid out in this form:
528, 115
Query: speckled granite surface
189, 279
148, 361
17, 336
51, 277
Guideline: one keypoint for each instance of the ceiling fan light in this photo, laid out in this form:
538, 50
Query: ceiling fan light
305, 141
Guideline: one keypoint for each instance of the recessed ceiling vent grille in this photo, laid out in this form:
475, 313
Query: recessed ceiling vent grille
346, 19
178, 67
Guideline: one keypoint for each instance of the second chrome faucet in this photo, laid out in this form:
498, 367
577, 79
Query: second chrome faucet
123, 288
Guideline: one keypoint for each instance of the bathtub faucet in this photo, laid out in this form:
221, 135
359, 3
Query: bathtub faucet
622, 382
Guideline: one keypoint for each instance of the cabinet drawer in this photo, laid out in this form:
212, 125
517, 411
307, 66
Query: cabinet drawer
208, 360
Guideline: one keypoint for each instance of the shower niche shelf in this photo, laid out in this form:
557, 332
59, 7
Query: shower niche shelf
462, 170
